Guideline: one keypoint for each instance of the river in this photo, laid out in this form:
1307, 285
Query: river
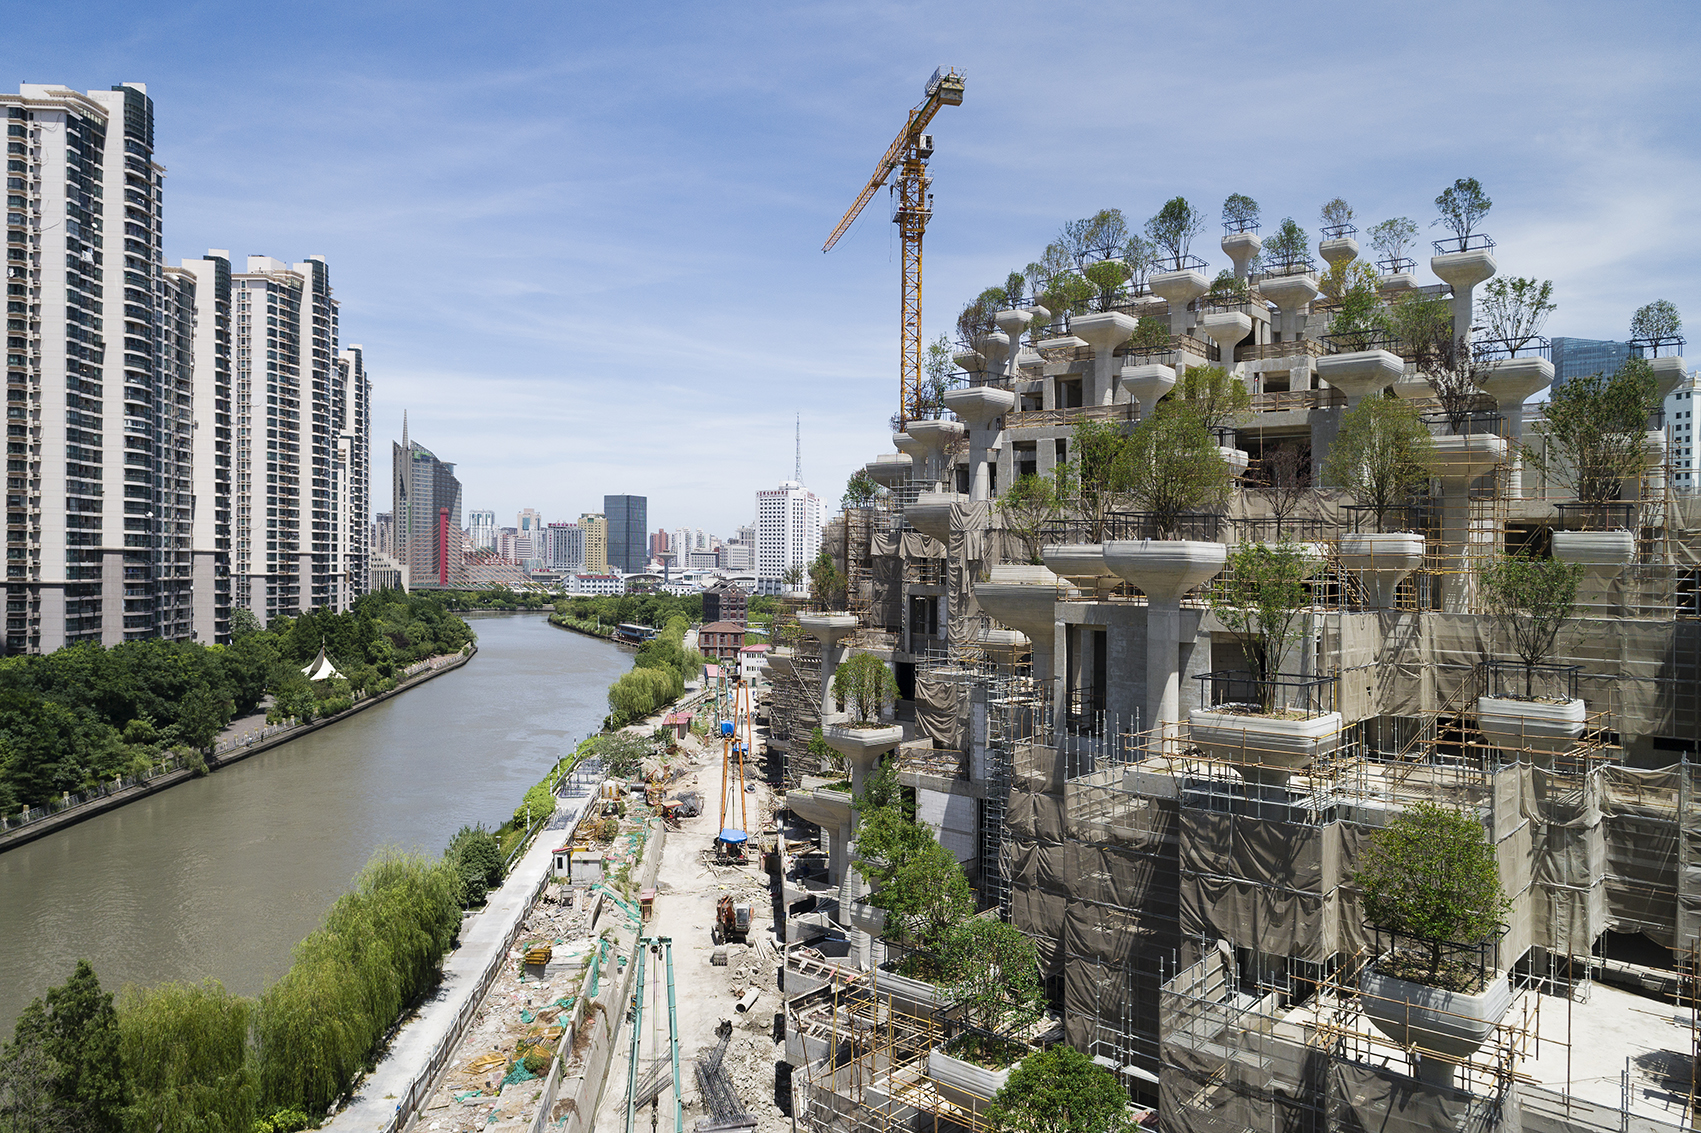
221, 876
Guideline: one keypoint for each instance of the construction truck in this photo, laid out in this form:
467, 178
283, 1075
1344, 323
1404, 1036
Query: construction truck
732, 921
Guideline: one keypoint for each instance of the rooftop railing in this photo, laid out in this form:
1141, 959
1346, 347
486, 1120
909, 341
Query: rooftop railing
1397, 265
1285, 693
1497, 349
1475, 242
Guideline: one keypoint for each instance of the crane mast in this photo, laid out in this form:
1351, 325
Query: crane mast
907, 156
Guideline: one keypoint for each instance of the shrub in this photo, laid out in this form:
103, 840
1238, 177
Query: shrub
863, 683
1061, 1090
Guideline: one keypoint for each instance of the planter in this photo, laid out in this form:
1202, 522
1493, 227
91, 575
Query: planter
1147, 384
1165, 569
889, 470
827, 628
1447, 1025
966, 1077
1267, 749
1530, 725
1604, 554
1361, 372
918, 992
1023, 598
1236, 458
1467, 456
864, 917
980, 406
1382, 561
1081, 563
931, 513
862, 747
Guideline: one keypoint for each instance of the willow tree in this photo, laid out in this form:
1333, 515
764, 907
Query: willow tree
185, 1050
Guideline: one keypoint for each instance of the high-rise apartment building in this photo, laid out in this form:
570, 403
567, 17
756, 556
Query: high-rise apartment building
481, 529
383, 534
1681, 434
595, 527
564, 546
659, 544
628, 524
293, 409
98, 371
214, 446
788, 530
427, 514
354, 474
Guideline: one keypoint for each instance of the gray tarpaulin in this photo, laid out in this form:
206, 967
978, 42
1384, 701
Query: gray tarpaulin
942, 711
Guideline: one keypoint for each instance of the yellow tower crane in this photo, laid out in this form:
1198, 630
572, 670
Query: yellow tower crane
908, 154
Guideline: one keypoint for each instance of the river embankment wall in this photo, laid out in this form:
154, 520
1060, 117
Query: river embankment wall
70, 816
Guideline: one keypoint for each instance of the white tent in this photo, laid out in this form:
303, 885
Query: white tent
321, 668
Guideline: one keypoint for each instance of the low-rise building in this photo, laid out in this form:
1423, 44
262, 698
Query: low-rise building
596, 584
721, 640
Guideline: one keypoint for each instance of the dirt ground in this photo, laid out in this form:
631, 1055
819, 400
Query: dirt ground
687, 889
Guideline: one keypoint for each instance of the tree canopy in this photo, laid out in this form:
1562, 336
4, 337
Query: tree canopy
1382, 455
1461, 205
1529, 599
1061, 1090
1174, 228
1594, 428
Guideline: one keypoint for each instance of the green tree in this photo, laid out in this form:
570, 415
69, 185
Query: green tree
1108, 278
1516, 309
185, 1051
1174, 228
29, 1089
477, 860
1151, 336
863, 683
243, 623
1061, 1090
1360, 318
1336, 213
861, 490
992, 973
1067, 291
1100, 470
1290, 244
1261, 599
1393, 238
76, 1030
1656, 322
1382, 455
1030, 505
1139, 254
1241, 211
1216, 397
917, 881
204, 714
1431, 874
1098, 236
1530, 599
1461, 206
1227, 289
1423, 323
1593, 430
1175, 468
826, 582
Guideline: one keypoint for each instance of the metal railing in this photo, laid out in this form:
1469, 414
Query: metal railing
1651, 347
1475, 242
1612, 515
1285, 693
1299, 265
1298, 399
1118, 526
1397, 265
1496, 349
1288, 349
1177, 344
1339, 231
1519, 681
1168, 263
1033, 418
1353, 341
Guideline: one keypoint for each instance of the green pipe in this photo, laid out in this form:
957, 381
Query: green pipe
637, 1035
673, 1037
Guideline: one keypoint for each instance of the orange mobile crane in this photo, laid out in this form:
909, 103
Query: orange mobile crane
908, 153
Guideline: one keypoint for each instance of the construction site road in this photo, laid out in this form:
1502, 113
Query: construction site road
688, 887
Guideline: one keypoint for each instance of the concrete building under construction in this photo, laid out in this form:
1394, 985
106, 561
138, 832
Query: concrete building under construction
1077, 730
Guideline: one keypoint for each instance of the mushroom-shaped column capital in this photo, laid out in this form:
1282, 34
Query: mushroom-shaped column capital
980, 406
1165, 569
1511, 381
1103, 331
1669, 374
1463, 270
1242, 248
1146, 384
994, 346
969, 361
1289, 292
1340, 250
1227, 329
1361, 372
1179, 287
889, 470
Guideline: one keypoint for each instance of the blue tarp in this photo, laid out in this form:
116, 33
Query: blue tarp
733, 837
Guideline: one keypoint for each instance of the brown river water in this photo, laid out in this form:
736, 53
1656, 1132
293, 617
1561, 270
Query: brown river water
221, 876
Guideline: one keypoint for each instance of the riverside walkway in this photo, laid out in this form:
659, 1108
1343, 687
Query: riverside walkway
386, 1098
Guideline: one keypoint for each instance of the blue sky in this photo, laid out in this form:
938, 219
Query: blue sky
581, 243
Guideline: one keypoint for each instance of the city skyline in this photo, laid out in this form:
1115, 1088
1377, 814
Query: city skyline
512, 286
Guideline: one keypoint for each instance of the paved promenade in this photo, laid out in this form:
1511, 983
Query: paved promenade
483, 937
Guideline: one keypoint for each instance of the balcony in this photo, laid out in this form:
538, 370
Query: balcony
1305, 346
1043, 418
1281, 400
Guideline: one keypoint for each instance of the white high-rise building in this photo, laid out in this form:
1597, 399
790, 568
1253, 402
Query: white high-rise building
214, 455
292, 405
528, 537
354, 473
481, 529
98, 371
1681, 435
788, 531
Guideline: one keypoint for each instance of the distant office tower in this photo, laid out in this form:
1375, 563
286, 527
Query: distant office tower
788, 530
658, 544
428, 514
99, 545
383, 534
292, 407
595, 527
1576, 357
214, 445
353, 473
507, 540
738, 555
481, 529
628, 523
528, 544
747, 534
564, 546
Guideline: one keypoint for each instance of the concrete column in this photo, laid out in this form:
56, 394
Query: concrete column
1340, 250
1463, 271
979, 407
1226, 329
1104, 332
994, 346
1024, 597
1180, 288
1242, 248
1164, 570
1510, 382
1013, 323
829, 630
933, 436
1459, 461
